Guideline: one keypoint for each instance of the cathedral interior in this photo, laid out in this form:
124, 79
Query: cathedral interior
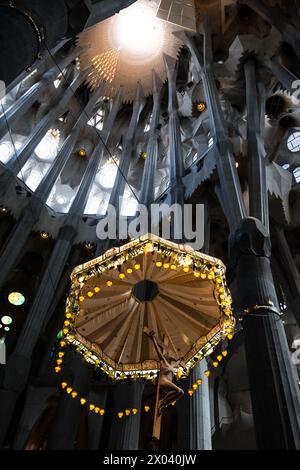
120, 103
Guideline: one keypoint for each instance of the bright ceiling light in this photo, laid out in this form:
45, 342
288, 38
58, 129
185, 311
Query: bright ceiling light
107, 175
138, 32
48, 147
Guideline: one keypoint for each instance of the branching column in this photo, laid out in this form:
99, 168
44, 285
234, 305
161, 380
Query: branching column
126, 158
34, 93
31, 213
175, 146
19, 159
273, 382
274, 388
147, 191
18, 367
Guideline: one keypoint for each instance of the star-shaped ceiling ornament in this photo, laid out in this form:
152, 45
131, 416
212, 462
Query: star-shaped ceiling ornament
130, 45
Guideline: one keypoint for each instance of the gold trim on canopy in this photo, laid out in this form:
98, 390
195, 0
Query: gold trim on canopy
183, 298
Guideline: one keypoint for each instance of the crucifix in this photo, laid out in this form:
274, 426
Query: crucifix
167, 392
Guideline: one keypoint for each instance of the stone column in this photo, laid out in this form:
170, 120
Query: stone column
120, 182
255, 97
273, 381
194, 421
175, 146
229, 181
20, 158
32, 328
65, 427
15, 242
125, 432
34, 93
147, 186
95, 422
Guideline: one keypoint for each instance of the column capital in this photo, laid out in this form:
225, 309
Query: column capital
250, 238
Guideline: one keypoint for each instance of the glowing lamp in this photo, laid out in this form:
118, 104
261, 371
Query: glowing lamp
190, 392
127, 412
120, 415
146, 408
82, 401
109, 283
82, 153
201, 107
207, 373
64, 385
74, 394
134, 411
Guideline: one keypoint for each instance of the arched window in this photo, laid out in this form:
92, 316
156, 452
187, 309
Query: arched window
293, 142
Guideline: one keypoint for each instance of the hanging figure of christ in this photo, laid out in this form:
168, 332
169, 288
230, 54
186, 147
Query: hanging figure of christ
169, 392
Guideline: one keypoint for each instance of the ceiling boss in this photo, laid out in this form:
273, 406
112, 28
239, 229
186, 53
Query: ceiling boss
129, 46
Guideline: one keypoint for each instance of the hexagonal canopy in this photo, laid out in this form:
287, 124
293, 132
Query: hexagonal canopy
171, 289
